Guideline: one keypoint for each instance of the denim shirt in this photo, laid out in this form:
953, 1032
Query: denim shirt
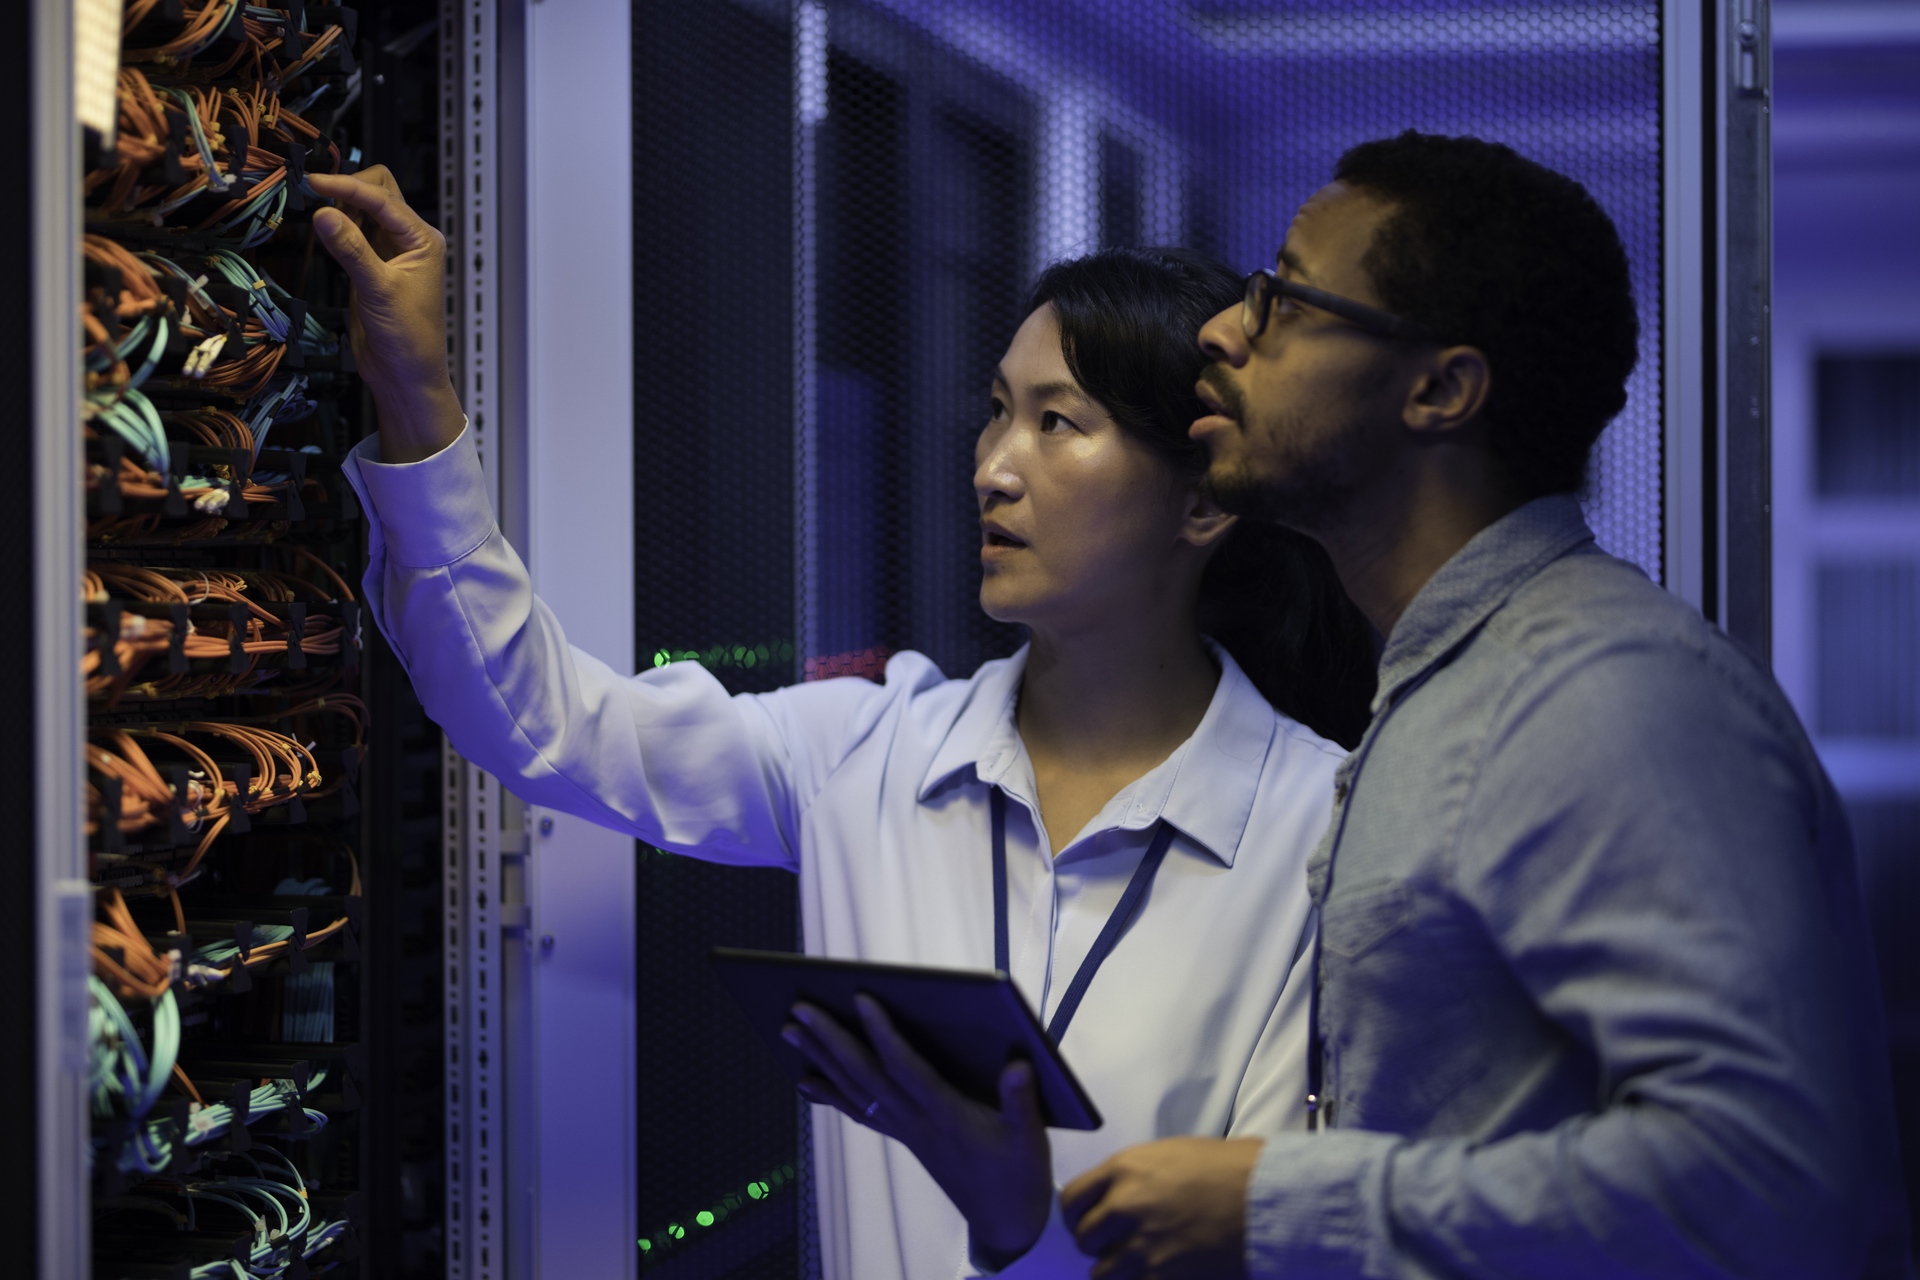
1596, 987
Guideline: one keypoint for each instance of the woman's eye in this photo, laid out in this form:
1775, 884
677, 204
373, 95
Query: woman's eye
1051, 422
995, 410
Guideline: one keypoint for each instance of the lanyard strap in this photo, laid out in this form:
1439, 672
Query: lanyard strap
1109, 936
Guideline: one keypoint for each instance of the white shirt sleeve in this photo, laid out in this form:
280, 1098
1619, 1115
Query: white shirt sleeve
666, 756
1054, 1256
1273, 1093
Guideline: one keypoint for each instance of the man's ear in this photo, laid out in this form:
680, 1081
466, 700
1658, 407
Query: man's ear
1450, 391
1205, 523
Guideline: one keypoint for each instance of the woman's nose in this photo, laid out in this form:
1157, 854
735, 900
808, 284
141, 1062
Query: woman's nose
993, 470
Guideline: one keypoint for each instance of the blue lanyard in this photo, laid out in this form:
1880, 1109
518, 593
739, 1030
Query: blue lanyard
1109, 937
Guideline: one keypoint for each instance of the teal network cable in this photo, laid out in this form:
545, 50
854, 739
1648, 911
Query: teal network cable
216, 181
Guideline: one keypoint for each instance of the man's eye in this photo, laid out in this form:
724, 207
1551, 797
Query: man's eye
1051, 422
996, 410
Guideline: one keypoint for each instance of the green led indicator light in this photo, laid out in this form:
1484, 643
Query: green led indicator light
731, 1203
728, 655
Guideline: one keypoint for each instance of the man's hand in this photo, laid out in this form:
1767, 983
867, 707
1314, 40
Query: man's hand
398, 320
1169, 1210
996, 1166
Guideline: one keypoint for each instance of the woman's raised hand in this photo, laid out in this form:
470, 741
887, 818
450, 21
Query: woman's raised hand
996, 1166
397, 264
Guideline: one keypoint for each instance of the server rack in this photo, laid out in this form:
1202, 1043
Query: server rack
221, 1045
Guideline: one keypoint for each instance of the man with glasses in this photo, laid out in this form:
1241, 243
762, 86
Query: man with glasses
1595, 993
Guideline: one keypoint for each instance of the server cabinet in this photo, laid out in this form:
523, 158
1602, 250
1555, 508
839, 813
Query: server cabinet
222, 992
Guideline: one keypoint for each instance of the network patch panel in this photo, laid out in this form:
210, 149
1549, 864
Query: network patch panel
227, 743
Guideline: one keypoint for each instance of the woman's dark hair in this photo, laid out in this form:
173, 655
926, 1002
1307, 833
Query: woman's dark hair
1129, 320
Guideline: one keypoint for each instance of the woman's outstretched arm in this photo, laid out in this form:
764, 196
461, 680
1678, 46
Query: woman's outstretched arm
667, 756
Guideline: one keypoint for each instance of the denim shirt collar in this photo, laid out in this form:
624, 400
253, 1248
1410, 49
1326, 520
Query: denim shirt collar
1479, 579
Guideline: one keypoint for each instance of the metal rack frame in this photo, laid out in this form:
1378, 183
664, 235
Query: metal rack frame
63, 902
1718, 295
539, 916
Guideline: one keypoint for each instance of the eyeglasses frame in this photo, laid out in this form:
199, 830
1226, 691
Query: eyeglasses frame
1264, 286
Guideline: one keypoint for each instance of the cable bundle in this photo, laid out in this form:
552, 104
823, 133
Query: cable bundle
282, 770
309, 1005
240, 123
141, 639
274, 1205
259, 34
123, 957
179, 332
126, 1081
222, 653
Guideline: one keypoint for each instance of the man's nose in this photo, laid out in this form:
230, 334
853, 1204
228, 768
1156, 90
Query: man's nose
1223, 340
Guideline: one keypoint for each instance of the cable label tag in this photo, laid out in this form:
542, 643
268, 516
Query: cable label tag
200, 1122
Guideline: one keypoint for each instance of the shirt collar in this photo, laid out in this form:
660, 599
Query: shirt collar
1479, 579
1206, 788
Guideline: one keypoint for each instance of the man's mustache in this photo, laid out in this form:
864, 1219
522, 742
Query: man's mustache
1218, 381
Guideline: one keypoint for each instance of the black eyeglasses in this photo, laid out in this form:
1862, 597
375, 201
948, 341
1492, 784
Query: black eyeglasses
1264, 288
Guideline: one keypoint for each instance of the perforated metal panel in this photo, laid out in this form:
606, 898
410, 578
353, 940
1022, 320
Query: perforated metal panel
839, 208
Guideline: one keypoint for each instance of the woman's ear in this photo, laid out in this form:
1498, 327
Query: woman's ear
1205, 523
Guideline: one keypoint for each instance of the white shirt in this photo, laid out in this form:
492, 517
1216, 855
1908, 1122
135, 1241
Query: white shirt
877, 795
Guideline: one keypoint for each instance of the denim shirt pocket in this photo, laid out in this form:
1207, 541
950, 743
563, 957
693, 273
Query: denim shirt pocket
1401, 1027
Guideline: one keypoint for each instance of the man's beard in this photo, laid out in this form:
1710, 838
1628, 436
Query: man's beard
1314, 487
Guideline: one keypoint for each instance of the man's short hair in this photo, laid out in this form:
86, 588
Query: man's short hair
1492, 250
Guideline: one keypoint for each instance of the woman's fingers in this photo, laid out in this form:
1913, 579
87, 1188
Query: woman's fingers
907, 1067
349, 248
374, 193
844, 1060
1019, 1103
397, 264
825, 1062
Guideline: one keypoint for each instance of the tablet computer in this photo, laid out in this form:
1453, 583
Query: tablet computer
967, 1023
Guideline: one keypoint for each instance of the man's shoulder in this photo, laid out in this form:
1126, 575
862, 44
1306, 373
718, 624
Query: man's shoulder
1595, 628
1588, 598
1589, 609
